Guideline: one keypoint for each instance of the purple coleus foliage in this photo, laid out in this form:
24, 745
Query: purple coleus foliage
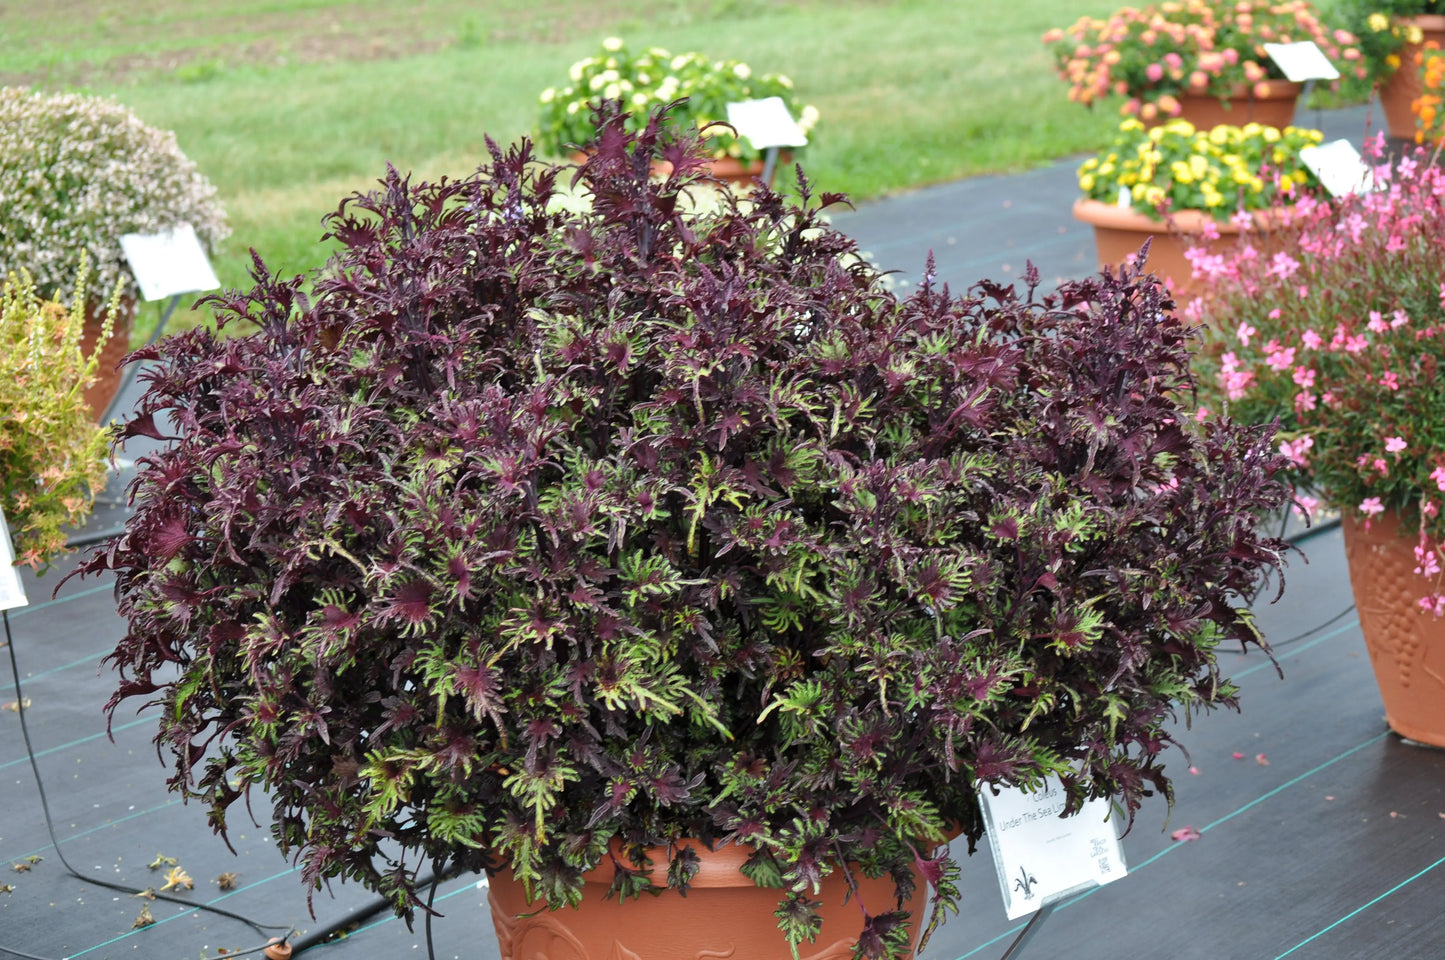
530, 529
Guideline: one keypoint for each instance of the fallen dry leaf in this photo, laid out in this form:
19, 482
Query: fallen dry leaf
178, 879
1261, 759
20, 867
160, 861
6, 888
149, 893
145, 919
14, 705
226, 881
1185, 834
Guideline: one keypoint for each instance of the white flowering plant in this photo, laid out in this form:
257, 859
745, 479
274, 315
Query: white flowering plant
654, 77
77, 172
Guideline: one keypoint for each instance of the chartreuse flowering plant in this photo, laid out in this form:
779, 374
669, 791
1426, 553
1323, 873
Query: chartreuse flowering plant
52, 451
1154, 54
1336, 326
1226, 171
535, 530
653, 77
1382, 30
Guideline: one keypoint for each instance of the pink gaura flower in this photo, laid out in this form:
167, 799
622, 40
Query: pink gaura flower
1438, 475
1310, 339
1389, 381
1377, 323
1356, 344
1304, 377
1433, 604
1394, 244
1427, 563
1284, 266
1304, 401
1382, 467
1297, 451
1281, 360
1399, 320
1371, 506
1244, 332
1395, 444
1202, 414
1304, 507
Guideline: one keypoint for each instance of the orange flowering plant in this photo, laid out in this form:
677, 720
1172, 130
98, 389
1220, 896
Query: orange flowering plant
1429, 118
1155, 54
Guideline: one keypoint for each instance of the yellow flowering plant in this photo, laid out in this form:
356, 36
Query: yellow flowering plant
654, 77
52, 451
1175, 166
1381, 30
1154, 54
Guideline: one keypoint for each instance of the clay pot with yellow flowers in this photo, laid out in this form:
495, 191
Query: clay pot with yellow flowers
1176, 182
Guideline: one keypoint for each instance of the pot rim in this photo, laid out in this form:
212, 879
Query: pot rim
1111, 216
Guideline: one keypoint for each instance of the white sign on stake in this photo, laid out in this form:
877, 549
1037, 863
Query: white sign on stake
766, 123
12, 591
170, 263
1339, 167
1301, 61
1041, 856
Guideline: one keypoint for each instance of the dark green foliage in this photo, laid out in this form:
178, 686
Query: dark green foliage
535, 529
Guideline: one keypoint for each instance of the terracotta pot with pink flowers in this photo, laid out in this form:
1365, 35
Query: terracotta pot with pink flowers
1336, 329
1203, 60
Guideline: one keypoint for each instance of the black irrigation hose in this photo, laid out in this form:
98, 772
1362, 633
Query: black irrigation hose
260, 928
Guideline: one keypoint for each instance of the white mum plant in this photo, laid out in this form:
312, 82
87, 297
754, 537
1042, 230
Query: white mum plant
77, 172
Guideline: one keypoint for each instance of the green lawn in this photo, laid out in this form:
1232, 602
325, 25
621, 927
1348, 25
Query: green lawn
290, 105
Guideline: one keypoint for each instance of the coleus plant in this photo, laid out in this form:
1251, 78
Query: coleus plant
532, 530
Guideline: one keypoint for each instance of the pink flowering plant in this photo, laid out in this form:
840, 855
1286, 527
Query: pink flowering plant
1336, 327
1153, 55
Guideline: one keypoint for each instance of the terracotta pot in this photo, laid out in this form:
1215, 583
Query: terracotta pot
723, 915
1403, 86
1406, 644
729, 170
1119, 232
1270, 102
108, 375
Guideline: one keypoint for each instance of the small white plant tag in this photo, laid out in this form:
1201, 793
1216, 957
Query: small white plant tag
12, 591
1041, 856
1301, 61
766, 123
169, 263
1339, 167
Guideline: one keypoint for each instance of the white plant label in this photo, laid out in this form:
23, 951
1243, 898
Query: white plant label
12, 591
1339, 167
1301, 61
1041, 856
170, 263
766, 123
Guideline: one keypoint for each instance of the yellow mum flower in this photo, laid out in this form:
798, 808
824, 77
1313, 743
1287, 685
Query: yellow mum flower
1378, 22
